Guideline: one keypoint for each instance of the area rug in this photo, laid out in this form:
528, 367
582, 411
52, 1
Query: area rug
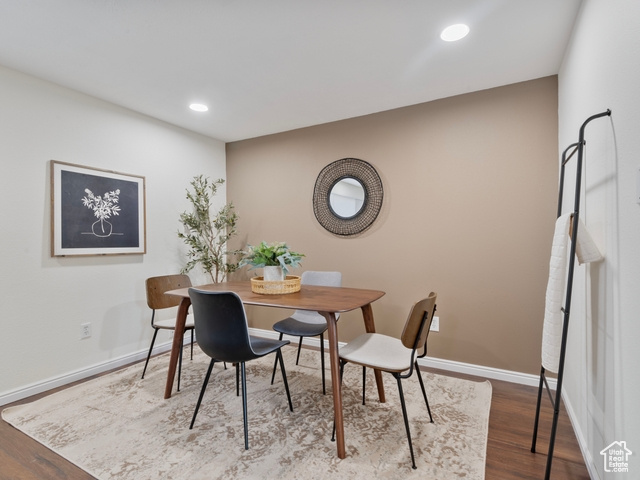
119, 426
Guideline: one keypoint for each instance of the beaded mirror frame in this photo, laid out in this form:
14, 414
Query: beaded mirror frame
333, 173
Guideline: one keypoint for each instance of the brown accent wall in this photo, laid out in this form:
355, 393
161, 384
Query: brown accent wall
470, 191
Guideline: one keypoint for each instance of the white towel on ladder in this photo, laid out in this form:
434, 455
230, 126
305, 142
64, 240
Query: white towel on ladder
586, 251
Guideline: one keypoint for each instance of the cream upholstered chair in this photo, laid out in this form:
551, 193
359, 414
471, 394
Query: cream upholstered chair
304, 323
157, 300
397, 356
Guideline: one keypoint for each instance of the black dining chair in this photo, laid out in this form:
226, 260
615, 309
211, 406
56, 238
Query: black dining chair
303, 323
223, 334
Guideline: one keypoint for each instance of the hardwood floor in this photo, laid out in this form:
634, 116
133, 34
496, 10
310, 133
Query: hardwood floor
510, 433
508, 450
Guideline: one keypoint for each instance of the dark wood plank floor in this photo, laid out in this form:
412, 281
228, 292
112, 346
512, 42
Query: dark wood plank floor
511, 421
508, 450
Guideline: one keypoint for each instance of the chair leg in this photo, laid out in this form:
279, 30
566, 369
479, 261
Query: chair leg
204, 387
244, 405
299, 348
192, 343
153, 340
275, 364
406, 420
424, 392
180, 366
237, 380
284, 377
324, 389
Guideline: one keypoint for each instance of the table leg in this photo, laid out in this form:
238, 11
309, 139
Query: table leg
335, 382
178, 334
369, 325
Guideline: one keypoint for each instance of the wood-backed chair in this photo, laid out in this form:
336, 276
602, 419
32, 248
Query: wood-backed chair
397, 356
157, 300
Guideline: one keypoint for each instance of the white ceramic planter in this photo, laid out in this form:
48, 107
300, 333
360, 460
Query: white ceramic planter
273, 274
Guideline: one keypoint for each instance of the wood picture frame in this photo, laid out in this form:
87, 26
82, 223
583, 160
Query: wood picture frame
96, 212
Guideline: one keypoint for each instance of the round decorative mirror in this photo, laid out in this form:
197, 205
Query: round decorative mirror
347, 197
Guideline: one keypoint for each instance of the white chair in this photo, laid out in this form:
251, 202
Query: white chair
395, 355
304, 323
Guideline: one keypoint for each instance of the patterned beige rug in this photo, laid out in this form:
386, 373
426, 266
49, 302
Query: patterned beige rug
119, 426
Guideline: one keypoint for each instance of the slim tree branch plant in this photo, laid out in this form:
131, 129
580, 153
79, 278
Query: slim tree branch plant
207, 235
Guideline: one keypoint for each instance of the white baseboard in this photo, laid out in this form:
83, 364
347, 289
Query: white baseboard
485, 372
80, 374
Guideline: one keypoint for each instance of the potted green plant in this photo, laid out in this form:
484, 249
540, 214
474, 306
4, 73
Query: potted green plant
274, 258
207, 235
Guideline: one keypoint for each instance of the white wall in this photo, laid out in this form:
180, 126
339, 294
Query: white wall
602, 386
45, 299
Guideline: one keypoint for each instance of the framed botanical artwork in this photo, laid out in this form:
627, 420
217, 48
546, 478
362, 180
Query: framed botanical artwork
96, 212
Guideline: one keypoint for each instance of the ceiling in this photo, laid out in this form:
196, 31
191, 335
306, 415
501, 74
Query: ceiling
265, 67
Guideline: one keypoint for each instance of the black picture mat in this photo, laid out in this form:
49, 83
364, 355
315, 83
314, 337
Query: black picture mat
77, 219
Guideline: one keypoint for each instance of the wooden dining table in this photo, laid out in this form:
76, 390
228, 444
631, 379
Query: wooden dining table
328, 301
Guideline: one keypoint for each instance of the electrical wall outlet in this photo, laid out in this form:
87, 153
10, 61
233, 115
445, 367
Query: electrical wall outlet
85, 330
435, 324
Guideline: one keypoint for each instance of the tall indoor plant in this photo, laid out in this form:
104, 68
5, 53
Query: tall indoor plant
207, 235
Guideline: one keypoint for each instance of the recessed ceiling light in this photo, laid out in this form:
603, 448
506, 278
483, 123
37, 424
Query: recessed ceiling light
198, 107
454, 32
